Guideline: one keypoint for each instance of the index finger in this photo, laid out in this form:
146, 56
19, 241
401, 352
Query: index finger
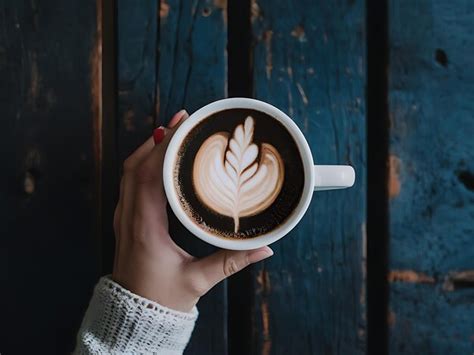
151, 167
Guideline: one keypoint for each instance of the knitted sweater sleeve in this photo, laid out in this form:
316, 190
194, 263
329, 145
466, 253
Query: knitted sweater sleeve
118, 321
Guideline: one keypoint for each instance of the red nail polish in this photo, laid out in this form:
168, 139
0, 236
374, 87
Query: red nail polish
158, 135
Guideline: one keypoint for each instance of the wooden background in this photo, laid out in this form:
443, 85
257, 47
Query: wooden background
386, 86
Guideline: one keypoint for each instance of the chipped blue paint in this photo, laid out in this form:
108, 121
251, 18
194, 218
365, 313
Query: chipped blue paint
431, 101
309, 60
137, 35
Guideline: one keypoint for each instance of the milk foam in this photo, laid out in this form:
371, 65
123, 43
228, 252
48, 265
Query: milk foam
231, 178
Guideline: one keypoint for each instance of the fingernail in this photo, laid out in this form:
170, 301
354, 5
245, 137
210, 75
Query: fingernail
182, 113
178, 116
260, 254
158, 134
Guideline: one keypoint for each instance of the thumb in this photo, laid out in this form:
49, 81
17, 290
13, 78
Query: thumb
216, 267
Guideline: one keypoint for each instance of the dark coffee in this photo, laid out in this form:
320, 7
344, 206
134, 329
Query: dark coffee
239, 174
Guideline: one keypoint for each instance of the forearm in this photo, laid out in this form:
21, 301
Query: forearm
120, 322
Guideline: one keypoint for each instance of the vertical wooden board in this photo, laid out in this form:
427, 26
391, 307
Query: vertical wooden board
192, 73
137, 34
193, 56
309, 60
431, 186
49, 186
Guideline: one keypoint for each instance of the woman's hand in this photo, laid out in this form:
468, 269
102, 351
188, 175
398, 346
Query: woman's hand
147, 261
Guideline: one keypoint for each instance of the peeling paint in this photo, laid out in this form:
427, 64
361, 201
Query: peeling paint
290, 102
391, 318
264, 288
164, 9
267, 342
128, 120
459, 280
299, 34
394, 185
267, 37
222, 5
29, 183
302, 93
409, 276
254, 11
35, 81
263, 280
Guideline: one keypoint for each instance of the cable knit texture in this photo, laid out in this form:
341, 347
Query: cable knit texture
120, 322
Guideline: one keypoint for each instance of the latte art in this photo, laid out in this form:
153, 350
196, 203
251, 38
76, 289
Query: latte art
234, 177
238, 174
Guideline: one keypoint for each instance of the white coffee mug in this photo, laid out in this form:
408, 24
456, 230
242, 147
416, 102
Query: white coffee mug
317, 177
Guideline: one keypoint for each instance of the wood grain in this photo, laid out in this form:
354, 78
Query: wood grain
431, 99
50, 181
137, 56
192, 73
171, 55
309, 60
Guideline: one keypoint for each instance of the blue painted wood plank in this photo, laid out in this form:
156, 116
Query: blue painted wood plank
309, 60
137, 56
192, 73
193, 57
431, 100
49, 182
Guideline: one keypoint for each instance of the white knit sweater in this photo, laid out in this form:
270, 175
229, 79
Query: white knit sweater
120, 322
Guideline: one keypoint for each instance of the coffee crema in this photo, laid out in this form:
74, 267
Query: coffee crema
239, 174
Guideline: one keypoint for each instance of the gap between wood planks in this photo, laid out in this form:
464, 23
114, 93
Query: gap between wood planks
106, 128
380, 180
240, 84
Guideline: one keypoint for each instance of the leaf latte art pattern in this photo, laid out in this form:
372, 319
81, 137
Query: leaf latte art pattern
232, 179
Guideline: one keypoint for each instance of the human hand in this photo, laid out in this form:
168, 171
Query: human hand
147, 261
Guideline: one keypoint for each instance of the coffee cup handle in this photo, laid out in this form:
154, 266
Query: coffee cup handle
331, 177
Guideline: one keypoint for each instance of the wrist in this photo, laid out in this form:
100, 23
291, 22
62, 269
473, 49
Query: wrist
165, 291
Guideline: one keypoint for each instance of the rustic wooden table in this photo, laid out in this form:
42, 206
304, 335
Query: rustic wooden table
83, 83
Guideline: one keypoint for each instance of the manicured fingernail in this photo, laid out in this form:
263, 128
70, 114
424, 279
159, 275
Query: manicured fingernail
158, 134
177, 117
260, 254
182, 113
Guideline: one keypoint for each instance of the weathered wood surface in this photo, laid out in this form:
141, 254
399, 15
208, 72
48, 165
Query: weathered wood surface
309, 60
431, 187
49, 181
171, 55
193, 72
137, 50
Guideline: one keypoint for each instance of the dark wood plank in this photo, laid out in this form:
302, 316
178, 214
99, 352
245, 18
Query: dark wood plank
193, 61
137, 33
109, 135
431, 99
309, 60
49, 186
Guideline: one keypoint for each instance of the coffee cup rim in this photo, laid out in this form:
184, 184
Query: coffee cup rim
171, 156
